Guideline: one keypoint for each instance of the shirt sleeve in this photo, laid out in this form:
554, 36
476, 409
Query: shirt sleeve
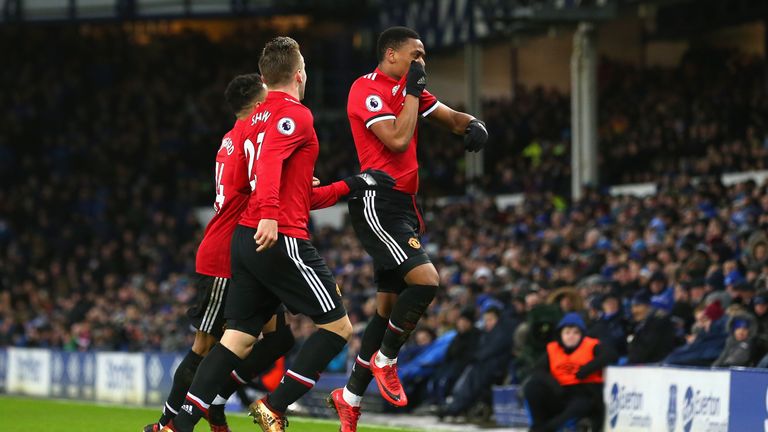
427, 103
367, 103
281, 139
326, 196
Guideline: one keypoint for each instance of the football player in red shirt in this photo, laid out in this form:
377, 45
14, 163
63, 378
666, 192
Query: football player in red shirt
273, 261
233, 177
383, 109
212, 266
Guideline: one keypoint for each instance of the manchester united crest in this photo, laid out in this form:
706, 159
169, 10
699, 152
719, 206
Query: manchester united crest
414, 243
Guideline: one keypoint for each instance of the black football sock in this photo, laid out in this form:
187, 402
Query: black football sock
311, 361
264, 354
182, 379
361, 371
213, 371
409, 308
216, 415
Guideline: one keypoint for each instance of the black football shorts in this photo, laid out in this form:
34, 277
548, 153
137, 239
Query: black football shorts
207, 314
388, 224
291, 272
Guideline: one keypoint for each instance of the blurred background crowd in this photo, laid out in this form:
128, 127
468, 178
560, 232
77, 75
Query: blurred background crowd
105, 158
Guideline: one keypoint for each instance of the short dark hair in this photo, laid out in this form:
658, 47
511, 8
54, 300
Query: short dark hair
493, 310
242, 90
280, 59
393, 37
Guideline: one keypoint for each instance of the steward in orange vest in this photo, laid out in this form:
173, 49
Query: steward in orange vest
568, 383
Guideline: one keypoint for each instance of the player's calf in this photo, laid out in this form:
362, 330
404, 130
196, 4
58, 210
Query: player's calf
411, 305
313, 358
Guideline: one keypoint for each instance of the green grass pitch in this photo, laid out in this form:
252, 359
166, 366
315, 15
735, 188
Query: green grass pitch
40, 415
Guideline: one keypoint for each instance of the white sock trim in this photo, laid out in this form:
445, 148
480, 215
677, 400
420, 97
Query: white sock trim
351, 398
168, 407
381, 360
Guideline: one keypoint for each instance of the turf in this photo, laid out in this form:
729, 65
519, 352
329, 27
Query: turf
38, 415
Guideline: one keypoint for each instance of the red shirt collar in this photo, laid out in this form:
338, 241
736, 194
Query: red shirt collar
275, 94
385, 76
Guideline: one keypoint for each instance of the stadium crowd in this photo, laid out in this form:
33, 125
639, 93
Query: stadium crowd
104, 157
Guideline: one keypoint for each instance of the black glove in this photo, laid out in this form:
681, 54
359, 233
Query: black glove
416, 80
475, 136
368, 179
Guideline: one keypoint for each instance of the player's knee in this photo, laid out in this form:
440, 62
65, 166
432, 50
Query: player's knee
238, 342
203, 343
342, 327
425, 274
384, 303
384, 310
422, 294
270, 326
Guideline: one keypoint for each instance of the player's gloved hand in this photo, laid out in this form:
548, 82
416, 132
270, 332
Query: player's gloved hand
475, 136
416, 79
370, 178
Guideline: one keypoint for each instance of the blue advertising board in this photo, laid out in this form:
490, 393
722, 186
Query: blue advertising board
749, 401
159, 369
73, 375
3, 368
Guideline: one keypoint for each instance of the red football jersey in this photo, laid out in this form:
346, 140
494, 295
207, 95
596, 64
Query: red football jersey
232, 191
286, 151
234, 179
375, 97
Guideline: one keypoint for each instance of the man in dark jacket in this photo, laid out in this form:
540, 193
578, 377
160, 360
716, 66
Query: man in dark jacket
459, 355
489, 364
610, 327
654, 336
708, 341
760, 310
568, 382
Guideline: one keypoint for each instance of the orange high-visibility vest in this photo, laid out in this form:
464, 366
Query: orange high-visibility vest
563, 366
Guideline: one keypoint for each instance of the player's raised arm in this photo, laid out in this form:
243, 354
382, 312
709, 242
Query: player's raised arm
474, 131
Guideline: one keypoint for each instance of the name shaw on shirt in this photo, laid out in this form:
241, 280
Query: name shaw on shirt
262, 116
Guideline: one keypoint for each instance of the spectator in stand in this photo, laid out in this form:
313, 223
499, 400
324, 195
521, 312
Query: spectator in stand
662, 296
489, 365
610, 328
740, 347
568, 382
567, 300
537, 332
654, 335
682, 310
460, 354
422, 339
708, 340
760, 312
